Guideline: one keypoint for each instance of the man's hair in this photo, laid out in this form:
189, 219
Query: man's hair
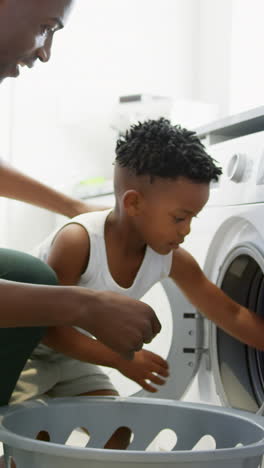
157, 148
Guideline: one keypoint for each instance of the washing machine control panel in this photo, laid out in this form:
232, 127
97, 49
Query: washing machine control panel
236, 167
260, 171
242, 161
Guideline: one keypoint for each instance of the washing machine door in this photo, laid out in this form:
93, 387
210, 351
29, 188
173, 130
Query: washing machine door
180, 342
239, 369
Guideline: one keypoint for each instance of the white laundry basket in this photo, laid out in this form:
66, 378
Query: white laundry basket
239, 436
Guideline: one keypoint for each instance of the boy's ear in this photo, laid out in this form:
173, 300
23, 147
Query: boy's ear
132, 202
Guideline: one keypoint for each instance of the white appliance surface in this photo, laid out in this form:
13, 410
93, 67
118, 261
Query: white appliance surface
227, 240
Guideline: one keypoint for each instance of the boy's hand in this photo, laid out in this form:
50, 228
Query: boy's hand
146, 366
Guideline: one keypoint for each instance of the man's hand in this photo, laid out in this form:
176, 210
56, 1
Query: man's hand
80, 207
146, 366
118, 321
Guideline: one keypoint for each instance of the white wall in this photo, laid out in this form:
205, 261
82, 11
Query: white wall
230, 72
6, 116
61, 130
109, 48
247, 69
197, 51
214, 38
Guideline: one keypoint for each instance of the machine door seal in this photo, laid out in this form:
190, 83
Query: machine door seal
239, 369
186, 344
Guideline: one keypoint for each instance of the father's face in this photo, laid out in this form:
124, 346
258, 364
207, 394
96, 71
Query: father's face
26, 31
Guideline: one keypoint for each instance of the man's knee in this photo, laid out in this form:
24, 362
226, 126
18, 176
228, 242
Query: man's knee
43, 273
21, 267
16, 344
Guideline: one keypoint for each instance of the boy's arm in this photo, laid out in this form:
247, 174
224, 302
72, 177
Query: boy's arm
145, 368
212, 302
69, 341
69, 254
14, 184
120, 322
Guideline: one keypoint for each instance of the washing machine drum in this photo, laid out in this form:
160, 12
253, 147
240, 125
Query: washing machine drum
238, 368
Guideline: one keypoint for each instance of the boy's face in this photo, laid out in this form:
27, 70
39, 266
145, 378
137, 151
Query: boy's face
166, 209
26, 31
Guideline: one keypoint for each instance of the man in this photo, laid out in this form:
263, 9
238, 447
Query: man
30, 297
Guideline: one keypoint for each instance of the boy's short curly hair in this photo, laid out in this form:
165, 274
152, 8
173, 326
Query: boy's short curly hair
157, 148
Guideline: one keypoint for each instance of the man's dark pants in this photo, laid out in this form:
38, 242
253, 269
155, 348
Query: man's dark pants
16, 344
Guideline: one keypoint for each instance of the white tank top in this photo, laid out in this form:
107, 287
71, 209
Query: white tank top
97, 276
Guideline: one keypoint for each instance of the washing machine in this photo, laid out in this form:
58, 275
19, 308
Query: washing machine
227, 240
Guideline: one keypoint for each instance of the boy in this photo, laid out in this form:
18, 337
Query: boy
161, 181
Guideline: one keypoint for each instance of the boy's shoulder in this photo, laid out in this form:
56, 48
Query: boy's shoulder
90, 216
92, 221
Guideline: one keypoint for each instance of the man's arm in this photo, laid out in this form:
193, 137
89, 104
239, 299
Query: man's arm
120, 322
212, 302
16, 185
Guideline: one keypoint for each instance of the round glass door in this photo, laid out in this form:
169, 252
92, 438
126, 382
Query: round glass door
238, 368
